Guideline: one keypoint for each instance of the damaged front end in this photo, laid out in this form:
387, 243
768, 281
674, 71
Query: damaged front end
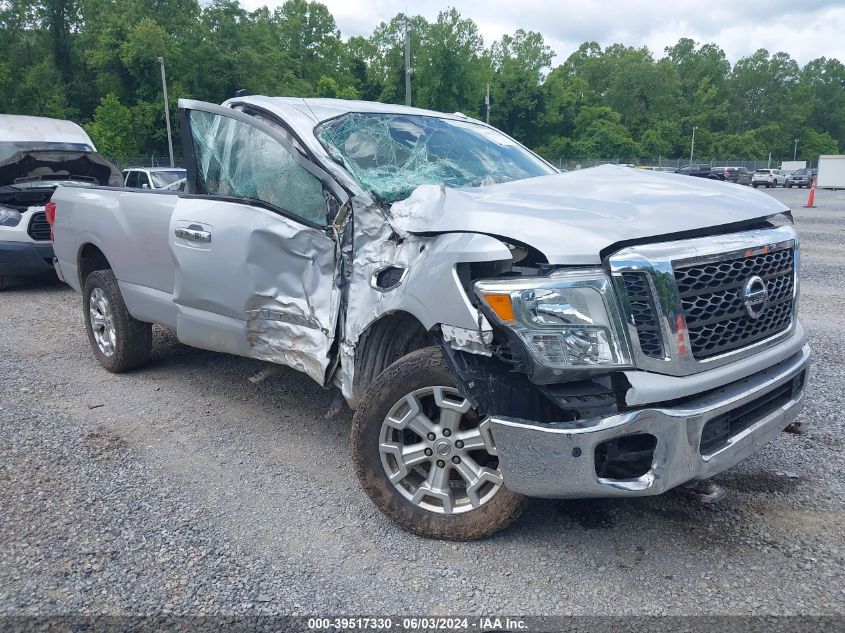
454, 235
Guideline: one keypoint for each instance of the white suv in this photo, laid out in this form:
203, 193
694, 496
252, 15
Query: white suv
153, 177
768, 178
38, 154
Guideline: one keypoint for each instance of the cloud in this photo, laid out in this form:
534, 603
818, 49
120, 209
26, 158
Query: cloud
805, 29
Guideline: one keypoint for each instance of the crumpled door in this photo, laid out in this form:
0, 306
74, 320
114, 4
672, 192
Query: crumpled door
256, 265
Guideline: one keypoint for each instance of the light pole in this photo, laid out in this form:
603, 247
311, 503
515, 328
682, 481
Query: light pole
692, 145
487, 102
795, 150
407, 63
166, 111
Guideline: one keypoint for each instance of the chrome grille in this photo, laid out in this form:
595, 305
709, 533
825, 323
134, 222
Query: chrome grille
644, 314
690, 304
711, 295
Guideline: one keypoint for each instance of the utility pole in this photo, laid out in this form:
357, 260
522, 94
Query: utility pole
166, 111
407, 63
487, 102
795, 149
692, 145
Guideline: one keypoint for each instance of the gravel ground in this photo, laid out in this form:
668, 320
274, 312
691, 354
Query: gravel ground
184, 488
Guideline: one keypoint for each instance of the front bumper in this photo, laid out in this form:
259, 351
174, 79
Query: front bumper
559, 460
25, 258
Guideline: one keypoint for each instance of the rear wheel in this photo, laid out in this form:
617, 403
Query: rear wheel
6, 282
119, 341
425, 457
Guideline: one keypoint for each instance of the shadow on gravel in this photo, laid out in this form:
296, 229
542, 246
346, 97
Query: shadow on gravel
588, 514
785, 481
42, 283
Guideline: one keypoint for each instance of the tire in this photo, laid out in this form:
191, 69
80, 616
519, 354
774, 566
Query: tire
755, 185
788, 186
120, 341
6, 282
401, 383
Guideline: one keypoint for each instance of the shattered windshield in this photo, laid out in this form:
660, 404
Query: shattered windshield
393, 154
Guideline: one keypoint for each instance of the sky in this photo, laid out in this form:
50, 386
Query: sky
805, 29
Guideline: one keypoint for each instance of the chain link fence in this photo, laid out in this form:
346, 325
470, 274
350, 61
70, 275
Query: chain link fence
668, 164
154, 160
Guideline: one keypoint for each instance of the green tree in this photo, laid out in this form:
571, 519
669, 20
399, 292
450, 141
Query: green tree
449, 65
517, 94
112, 130
599, 133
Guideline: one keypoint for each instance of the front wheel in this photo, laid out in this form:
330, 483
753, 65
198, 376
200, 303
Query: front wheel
119, 341
425, 457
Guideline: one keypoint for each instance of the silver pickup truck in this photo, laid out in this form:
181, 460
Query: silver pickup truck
501, 329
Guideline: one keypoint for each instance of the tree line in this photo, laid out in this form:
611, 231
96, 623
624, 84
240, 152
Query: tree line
95, 62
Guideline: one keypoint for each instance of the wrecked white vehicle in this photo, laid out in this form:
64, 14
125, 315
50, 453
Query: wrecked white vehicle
502, 330
37, 155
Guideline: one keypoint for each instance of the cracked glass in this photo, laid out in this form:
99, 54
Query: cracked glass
390, 155
237, 160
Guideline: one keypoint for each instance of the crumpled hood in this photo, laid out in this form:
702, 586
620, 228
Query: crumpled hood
573, 217
59, 165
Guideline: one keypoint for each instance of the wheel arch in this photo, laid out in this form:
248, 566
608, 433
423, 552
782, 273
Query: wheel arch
89, 259
384, 341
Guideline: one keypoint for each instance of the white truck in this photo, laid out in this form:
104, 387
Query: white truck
154, 177
831, 172
501, 329
36, 155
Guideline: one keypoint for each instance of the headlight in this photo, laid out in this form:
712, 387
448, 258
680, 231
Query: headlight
568, 319
9, 217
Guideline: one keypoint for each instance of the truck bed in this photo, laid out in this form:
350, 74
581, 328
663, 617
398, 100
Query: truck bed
130, 228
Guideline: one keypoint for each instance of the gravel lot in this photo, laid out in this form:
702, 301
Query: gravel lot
185, 488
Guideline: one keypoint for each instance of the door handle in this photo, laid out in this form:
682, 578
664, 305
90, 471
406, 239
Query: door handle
194, 235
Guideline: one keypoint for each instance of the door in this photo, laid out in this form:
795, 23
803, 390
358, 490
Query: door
256, 260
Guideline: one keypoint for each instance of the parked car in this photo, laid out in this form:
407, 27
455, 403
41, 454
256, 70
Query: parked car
801, 178
700, 171
500, 329
36, 155
152, 177
768, 178
739, 175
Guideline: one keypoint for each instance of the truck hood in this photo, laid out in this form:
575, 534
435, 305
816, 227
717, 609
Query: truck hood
56, 165
576, 217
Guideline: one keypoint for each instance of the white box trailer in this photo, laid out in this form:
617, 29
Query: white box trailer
790, 166
831, 172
